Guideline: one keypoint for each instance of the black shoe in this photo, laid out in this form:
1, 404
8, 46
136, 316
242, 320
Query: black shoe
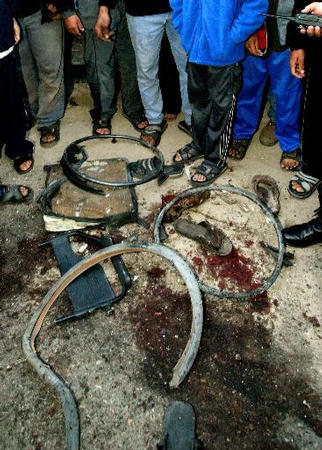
305, 234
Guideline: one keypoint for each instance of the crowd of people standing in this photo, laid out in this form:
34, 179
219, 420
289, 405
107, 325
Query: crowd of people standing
226, 55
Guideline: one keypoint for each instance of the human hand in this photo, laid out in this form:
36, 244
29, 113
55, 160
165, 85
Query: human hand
252, 45
16, 31
53, 11
313, 8
74, 25
297, 63
102, 26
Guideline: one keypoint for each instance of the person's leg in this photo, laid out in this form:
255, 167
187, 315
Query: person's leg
267, 135
180, 57
223, 85
169, 80
125, 56
254, 75
311, 133
100, 68
212, 93
29, 67
287, 91
47, 46
146, 33
13, 118
311, 142
271, 106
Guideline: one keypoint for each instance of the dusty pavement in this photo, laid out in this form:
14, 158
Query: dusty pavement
257, 381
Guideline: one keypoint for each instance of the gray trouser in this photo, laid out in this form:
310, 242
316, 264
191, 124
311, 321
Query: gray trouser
101, 59
42, 58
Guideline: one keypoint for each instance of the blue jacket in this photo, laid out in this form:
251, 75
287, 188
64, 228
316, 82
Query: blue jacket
213, 32
7, 9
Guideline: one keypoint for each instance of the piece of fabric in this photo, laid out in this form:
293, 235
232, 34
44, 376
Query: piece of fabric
12, 124
311, 125
286, 89
146, 33
146, 7
125, 62
6, 52
212, 93
42, 59
28, 7
214, 33
8, 8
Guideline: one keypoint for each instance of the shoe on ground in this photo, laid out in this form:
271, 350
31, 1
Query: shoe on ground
305, 234
207, 235
267, 135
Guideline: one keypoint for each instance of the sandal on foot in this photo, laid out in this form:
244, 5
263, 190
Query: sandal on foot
209, 171
294, 156
209, 236
183, 126
266, 189
102, 123
11, 193
239, 147
154, 132
188, 154
307, 182
52, 131
17, 162
135, 119
179, 428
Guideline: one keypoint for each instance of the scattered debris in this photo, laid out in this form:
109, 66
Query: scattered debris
311, 319
182, 367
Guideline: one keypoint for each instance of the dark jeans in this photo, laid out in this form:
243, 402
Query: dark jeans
311, 127
102, 59
212, 93
12, 113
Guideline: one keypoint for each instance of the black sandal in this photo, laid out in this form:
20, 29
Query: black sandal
151, 166
135, 119
17, 162
11, 194
208, 170
294, 156
53, 130
240, 147
188, 154
101, 123
155, 132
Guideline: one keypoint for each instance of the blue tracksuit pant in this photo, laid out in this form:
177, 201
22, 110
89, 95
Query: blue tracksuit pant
286, 90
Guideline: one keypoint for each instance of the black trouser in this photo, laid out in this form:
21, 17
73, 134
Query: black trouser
312, 120
13, 118
212, 94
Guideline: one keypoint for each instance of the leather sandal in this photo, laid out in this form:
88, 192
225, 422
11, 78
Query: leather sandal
188, 154
135, 119
239, 147
294, 156
154, 132
53, 131
209, 171
308, 183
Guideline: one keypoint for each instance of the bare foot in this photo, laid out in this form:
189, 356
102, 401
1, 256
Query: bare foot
143, 124
169, 117
297, 186
289, 164
25, 166
149, 139
103, 130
